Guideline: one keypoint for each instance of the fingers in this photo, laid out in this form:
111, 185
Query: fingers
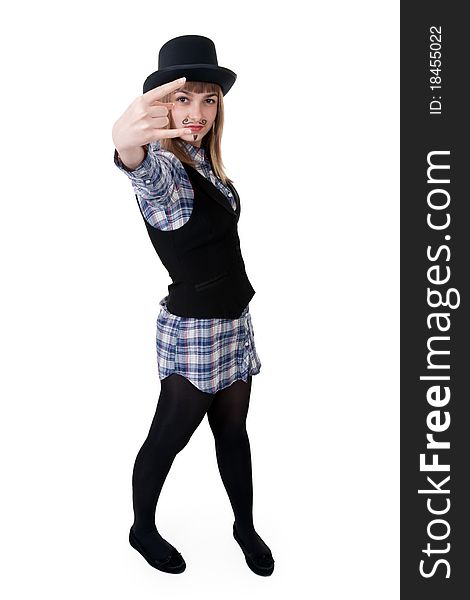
159, 122
172, 133
167, 105
163, 90
160, 110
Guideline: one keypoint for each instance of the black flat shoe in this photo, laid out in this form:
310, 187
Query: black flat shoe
173, 563
261, 564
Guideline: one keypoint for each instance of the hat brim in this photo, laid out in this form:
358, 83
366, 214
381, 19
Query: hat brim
199, 72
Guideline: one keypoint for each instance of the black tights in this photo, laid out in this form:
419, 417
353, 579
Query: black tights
180, 409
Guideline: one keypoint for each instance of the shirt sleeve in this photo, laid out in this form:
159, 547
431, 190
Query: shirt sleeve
156, 177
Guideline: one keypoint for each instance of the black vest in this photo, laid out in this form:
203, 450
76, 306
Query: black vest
203, 257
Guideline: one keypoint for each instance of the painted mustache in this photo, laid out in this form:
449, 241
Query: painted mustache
201, 123
186, 122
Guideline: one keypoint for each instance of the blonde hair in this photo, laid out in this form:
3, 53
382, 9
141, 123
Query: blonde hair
211, 142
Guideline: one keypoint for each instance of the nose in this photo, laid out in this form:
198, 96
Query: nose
195, 113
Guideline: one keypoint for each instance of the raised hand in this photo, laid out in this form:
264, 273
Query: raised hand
145, 119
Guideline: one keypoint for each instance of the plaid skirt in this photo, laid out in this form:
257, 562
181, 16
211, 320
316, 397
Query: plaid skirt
211, 353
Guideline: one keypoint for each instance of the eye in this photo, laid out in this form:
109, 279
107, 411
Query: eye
210, 100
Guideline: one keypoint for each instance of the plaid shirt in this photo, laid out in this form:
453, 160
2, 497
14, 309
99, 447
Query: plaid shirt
211, 353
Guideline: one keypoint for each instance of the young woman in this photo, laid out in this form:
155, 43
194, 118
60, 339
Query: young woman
168, 142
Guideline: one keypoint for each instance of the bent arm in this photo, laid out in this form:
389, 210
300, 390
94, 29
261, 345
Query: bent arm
154, 177
131, 159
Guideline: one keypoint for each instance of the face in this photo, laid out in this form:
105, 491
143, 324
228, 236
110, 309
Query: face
190, 109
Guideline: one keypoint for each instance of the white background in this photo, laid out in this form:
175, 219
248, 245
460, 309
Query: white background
311, 142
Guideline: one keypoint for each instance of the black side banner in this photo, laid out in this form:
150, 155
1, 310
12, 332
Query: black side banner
434, 302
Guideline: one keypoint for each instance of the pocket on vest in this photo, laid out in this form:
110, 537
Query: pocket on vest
203, 285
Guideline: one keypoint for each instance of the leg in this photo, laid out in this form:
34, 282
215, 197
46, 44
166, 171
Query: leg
180, 409
227, 419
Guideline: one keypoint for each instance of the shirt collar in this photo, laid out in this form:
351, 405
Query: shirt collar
198, 154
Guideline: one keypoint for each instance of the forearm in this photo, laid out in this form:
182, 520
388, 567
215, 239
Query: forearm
154, 175
133, 158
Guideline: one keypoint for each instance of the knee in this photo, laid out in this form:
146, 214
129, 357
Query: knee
230, 435
166, 443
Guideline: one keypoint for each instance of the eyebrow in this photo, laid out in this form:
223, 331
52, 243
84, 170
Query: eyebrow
191, 93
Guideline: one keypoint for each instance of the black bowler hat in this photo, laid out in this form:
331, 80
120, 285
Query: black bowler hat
193, 57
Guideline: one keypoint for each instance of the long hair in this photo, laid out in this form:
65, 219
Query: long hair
211, 142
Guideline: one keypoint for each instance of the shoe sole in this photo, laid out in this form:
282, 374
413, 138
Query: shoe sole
134, 542
249, 562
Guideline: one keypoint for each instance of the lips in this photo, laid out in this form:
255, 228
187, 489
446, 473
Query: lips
195, 127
